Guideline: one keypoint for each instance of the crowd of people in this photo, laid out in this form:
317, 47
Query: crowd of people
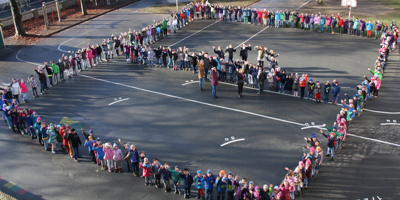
222, 66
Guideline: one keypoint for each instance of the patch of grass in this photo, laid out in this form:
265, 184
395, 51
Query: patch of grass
171, 7
387, 18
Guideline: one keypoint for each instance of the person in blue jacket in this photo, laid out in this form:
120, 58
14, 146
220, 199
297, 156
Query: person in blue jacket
209, 184
327, 90
221, 185
199, 184
335, 92
90, 144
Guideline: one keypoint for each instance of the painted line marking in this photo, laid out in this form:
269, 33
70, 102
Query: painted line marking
16, 56
317, 127
383, 112
187, 82
195, 101
118, 101
252, 37
193, 34
390, 124
375, 140
304, 4
81, 44
232, 141
222, 107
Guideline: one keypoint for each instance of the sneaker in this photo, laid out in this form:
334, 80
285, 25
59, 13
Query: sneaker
54, 152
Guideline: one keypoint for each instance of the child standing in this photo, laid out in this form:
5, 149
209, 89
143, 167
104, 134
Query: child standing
311, 86
209, 184
188, 180
52, 138
165, 176
318, 93
221, 185
33, 83
327, 90
146, 166
199, 184
108, 155
176, 179
331, 144
90, 144
24, 90
118, 158
155, 168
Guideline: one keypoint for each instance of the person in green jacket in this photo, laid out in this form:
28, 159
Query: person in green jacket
56, 70
360, 102
281, 17
164, 26
38, 128
356, 25
176, 178
376, 73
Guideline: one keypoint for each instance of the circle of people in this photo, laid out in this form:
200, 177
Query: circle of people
133, 44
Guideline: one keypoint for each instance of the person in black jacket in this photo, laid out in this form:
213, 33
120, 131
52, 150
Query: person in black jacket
42, 79
73, 137
261, 78
219, 52
49, 71
240, 81
194, 61
230, 51
244, 51
188, 181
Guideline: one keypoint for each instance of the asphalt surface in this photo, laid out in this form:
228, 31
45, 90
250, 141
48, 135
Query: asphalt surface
182, 126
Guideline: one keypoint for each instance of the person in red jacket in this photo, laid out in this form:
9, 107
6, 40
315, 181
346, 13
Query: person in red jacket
284, 190
340, 24
303, 83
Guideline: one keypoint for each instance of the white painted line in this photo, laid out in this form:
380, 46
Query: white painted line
375, 140
16, 56
232, 141
193, 34
345, 87
251, 37
195, 101
383, 112
190, 82
118, 101
304, 4
390, 124
317, 127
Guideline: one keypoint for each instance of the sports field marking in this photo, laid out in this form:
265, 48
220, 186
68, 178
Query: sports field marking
16, 56
193, 34
252, 37
195, 101
375, 140
303, 4
118, 101
232, 141
383, 112
317, 127
390, 124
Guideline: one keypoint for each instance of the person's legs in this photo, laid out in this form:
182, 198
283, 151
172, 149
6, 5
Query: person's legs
201, 83
214, 91
45, 144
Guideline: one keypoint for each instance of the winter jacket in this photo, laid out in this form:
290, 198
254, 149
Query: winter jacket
214, 78
75, 140
90, 145
335, 90
209, 182
108, 153
311, 86
188, 180
175, 175
198, 183
327, 88
117, 155
146, 169
165, 174
221, 184
303, 81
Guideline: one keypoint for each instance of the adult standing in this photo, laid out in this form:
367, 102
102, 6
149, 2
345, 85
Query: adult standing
73, 137
240, 81
201, 74
261, 78
230, 51
206, 65
42, 80
214, 82
244, 51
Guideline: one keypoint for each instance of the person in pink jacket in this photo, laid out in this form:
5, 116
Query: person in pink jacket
24, 90
118, 158
378, 84
316, 22
108, 156
146, 166
89, 55
328, 23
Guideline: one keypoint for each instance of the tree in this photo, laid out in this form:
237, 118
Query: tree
17, 18
83, 7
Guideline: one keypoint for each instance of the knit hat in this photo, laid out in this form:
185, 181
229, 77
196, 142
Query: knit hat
209, 171
230, 173
332, 134
251, 183
257, 188
98, 139
301, 163
311, 80
334, 127
39, 119
276, 188
115, 145
319, 149
199, 171
312, 149
313, 136
222, 172
91, 131
308, 161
